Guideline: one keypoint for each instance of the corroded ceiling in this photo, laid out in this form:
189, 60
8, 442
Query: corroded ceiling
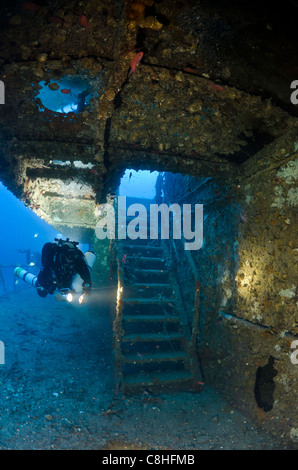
211, 90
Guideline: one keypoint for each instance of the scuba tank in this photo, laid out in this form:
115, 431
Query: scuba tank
77, 282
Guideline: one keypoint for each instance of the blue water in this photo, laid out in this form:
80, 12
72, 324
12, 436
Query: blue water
138, 184
75, 95
21, 228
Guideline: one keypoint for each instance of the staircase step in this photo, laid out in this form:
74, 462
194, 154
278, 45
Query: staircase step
153, 285
156, 357
148, 271
141, 242
146, 275
146, 300
134, 262
145, 259
140, 289
149, 318
148, 337
144, 250
157, 379
168, 309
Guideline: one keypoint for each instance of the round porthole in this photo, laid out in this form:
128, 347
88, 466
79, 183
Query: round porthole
68, 95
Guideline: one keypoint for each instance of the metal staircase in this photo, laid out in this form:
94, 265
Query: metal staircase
152, 342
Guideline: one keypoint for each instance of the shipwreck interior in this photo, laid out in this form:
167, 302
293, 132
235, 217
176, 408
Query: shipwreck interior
206, 108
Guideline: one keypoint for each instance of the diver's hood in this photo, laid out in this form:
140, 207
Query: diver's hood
70, 253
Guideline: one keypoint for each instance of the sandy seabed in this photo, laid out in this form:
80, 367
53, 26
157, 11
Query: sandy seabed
57, 390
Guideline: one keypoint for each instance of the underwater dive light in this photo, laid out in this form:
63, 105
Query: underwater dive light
64, 295
83, 299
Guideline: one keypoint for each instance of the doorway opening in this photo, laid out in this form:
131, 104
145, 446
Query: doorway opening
165, 286
70, 94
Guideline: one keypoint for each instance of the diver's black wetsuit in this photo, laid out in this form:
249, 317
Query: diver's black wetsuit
60, 263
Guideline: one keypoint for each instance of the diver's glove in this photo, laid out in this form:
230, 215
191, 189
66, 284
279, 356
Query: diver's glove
86, 288
42, 292
85, 295
83, 299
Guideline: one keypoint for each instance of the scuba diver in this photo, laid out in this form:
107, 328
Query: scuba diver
33, 259
2, 280
61, 261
